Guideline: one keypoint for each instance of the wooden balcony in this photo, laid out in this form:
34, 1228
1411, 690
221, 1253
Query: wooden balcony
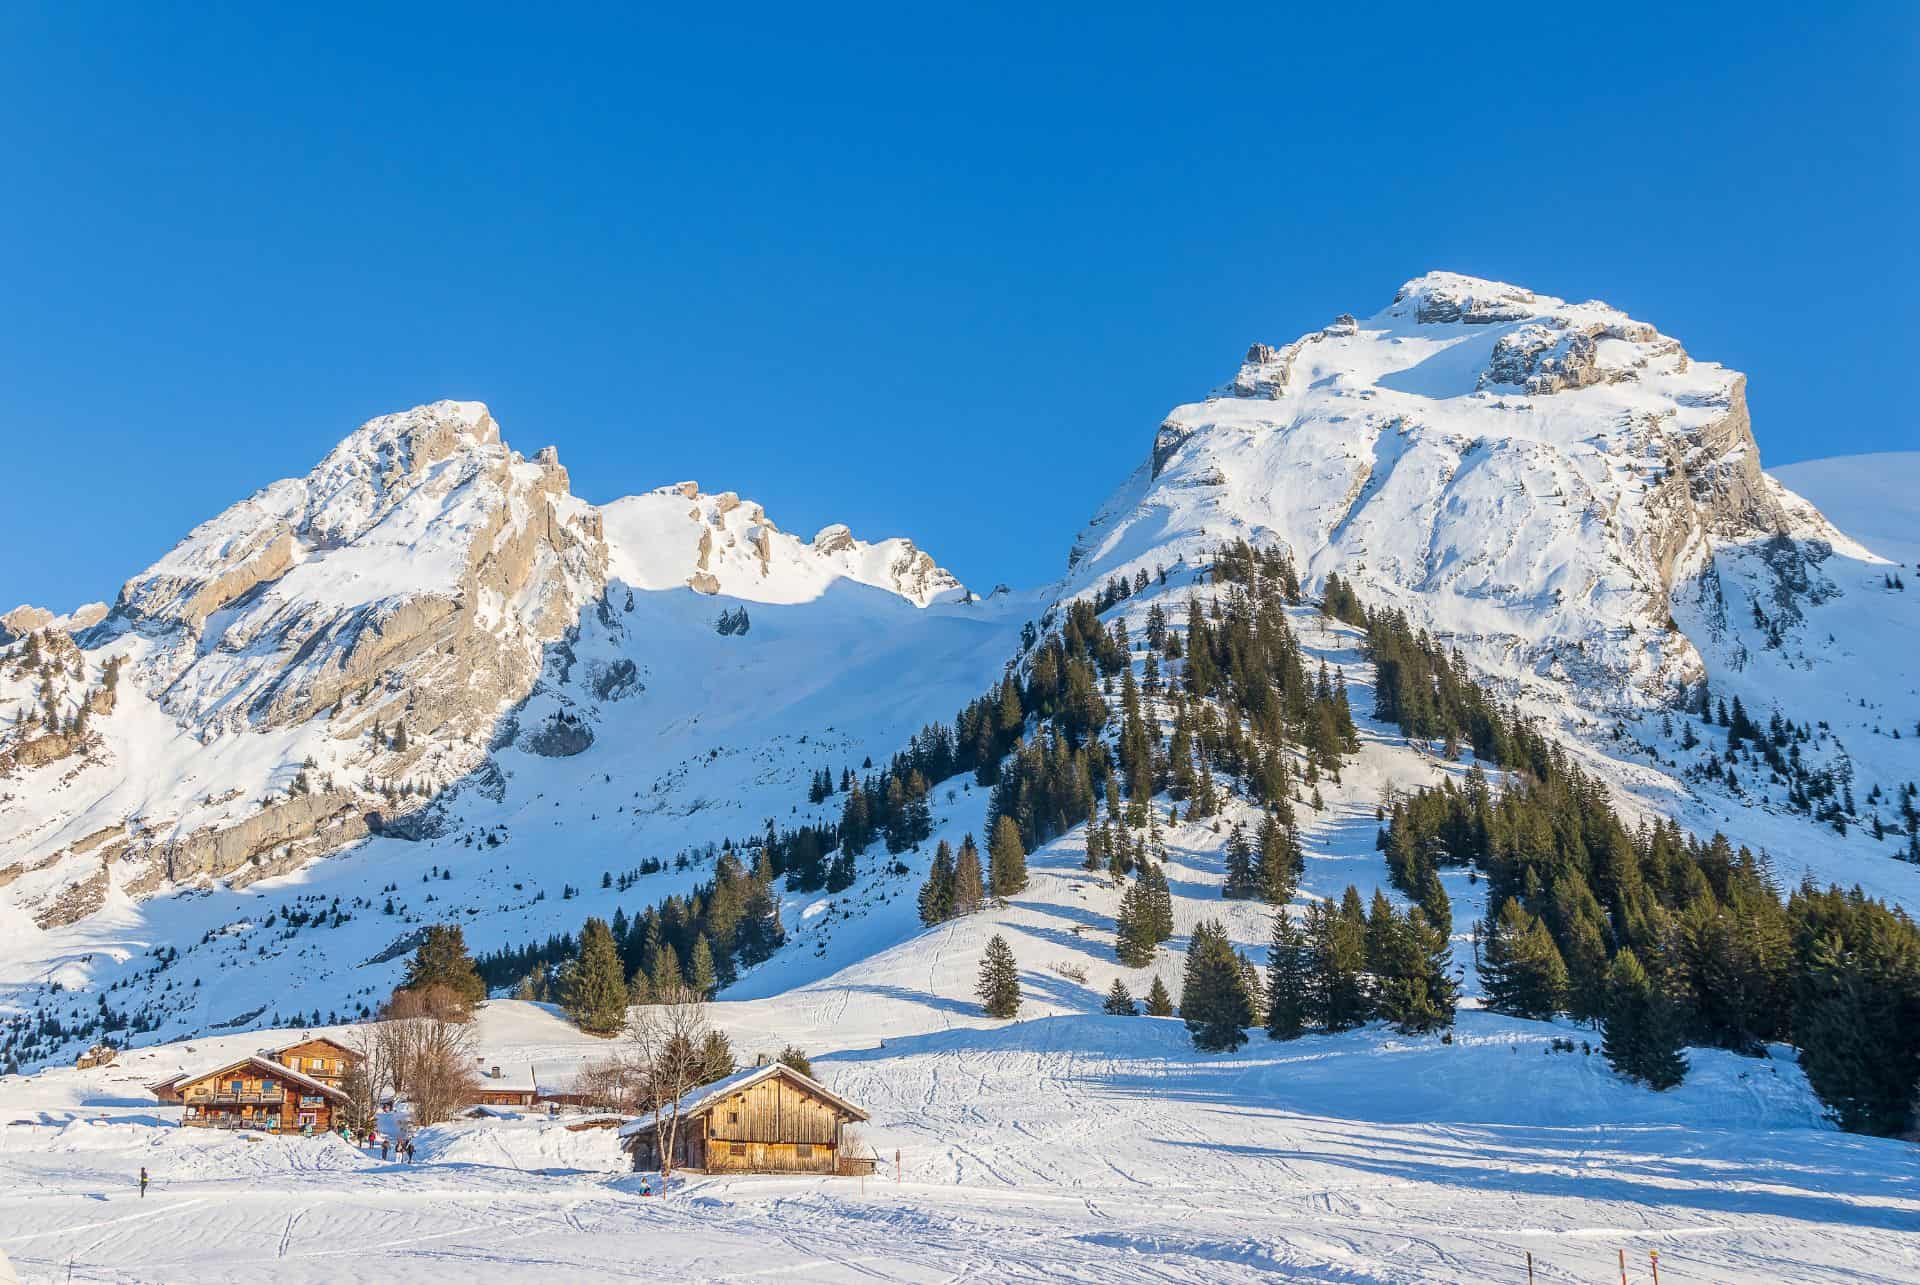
227, 1098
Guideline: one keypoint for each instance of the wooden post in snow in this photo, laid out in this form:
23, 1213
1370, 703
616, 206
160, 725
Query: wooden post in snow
1623, 1267
1529, 1267
1654, 1256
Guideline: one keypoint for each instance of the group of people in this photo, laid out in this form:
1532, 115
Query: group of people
389, 1147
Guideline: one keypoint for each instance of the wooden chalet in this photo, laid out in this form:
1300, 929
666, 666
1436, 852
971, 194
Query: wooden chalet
766, 1119
294, 1089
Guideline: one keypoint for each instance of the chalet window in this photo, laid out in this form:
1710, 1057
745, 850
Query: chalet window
733, 1117
238, 1085
804, 1150
737, 1149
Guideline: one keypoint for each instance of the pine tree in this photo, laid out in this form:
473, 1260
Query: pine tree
760, 932
665, 978
1856, 1007
1287, 981
1157, 899
1007, 859
1243, 876
591, 989
1133, 936
1642, 1039
716, 1057
1337, 995
968, 893
700, 972
1281, 860
1522, 969
840, 872
442, 960
936, 894
1214, 1001
999, 986
1120, 1001
1159, 1002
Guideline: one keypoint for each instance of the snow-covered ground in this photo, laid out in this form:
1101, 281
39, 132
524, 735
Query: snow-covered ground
1067, 1147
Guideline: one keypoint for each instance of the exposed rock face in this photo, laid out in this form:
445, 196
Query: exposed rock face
411, 582
561, 736
23, 620
246, 851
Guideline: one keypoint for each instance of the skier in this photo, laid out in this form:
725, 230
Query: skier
646, 1187
143, 1182
384, 1144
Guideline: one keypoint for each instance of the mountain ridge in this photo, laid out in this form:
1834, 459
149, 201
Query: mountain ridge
665, 672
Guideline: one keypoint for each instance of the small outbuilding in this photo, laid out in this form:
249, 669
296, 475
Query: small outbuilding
765, 1119
505, 1086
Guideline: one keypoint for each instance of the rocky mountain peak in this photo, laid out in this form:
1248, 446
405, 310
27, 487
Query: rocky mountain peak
1505, 464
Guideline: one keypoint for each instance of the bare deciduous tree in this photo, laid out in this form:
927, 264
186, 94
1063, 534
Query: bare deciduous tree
615, 1082
369, 1075
666, 1039
425, 1052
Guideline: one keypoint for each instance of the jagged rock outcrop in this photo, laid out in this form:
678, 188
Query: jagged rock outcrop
679, 536
23, 620
374, 586
562, 735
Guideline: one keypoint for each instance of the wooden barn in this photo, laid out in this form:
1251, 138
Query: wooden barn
766, 1119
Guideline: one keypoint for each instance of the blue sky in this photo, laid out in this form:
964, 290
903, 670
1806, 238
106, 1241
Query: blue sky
930, 272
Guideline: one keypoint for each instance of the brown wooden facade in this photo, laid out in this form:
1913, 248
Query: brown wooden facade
258, 1093
294, 1089
320, 1058
768, 1120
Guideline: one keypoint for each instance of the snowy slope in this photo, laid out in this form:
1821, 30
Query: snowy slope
1071, 1148
1873, 498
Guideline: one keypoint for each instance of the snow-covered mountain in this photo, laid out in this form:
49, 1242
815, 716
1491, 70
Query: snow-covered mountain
431, 659
332, 652
1559, 487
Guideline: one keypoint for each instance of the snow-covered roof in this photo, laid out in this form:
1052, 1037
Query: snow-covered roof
512, 1079
259, 1062
708, 1096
